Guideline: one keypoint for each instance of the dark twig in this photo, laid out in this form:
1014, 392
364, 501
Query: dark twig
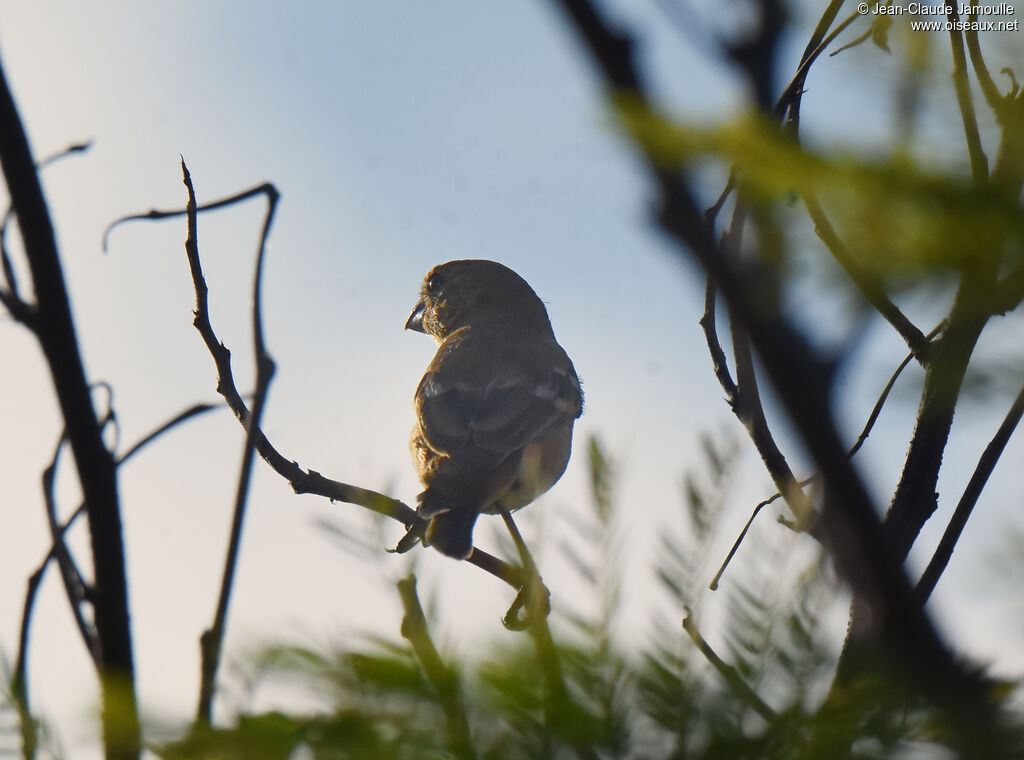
718, 361
212, 640
193, 411
156, 214
788, 105
988, 85
970, 497
864, 433
732, 677
5, 259
441, 678
713, 586
58, 546
55, 330
74, 586
744, 396
869, 285
979, 162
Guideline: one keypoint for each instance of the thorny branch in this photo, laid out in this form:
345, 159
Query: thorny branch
212, 640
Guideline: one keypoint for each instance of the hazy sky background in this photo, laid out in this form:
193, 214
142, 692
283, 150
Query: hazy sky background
400, 135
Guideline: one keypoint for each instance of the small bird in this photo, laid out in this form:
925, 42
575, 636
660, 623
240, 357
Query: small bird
496, 407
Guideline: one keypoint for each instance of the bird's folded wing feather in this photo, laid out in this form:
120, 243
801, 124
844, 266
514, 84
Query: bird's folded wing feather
480, 403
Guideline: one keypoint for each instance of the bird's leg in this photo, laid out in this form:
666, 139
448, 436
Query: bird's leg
533, 599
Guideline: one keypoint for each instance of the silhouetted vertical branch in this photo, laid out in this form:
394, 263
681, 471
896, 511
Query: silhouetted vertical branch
54, 326
212, 640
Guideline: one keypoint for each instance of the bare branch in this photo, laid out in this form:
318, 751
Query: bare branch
212, 640
979, 163
155, 215
869, 286
718, 361
965, 507
55, 330
732, 677
74, 586
11, 298
787, 107
193, 411
865, 431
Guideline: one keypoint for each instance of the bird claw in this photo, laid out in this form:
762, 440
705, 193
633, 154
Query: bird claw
414, 535
531, 605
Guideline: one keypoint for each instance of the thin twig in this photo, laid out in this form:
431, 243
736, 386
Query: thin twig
732, 677
57, 545
74, 586
155, 214
870, 286
988, 86
788, 104
864, 433
719, 364
979, 163
55, 329
212, 640
746, 397
986, 464
441, 678
5, 259
193, 411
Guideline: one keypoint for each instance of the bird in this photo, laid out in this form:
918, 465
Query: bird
495, 408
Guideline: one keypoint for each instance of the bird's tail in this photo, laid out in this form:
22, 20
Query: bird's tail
451, 532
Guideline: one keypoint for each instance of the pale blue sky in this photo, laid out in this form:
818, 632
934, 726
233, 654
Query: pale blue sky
400, 135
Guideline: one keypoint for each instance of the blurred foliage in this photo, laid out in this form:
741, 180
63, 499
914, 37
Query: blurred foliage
660, 699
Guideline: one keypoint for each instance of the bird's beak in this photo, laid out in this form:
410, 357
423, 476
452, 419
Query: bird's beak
415, 321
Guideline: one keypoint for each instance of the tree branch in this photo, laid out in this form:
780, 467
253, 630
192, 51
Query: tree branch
732, 677
965, 507
212, 640
95, 466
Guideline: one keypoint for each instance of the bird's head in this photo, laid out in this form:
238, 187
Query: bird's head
476, 292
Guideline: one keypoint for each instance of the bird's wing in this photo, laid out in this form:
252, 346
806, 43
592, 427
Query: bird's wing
480, 402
